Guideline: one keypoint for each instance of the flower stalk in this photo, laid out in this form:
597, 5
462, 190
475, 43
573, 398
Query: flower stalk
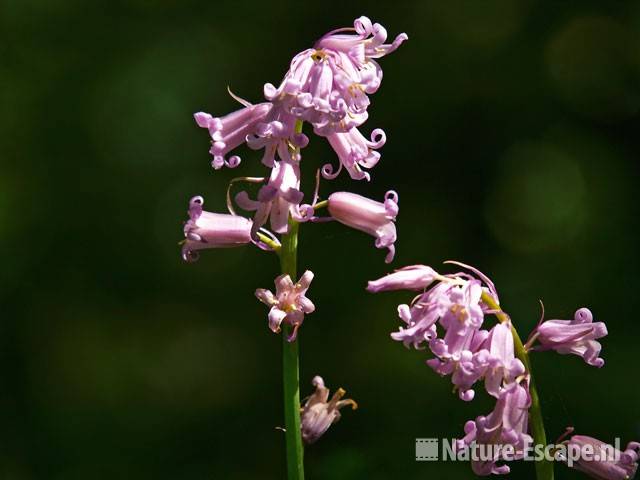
544, 468
290, 367
290, 363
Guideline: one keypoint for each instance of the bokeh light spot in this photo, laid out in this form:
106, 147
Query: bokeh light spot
538, 201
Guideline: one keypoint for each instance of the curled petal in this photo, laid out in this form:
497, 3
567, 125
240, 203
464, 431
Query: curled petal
244, 202
306, 305
266, 296
276, 316
328, 171
378, 139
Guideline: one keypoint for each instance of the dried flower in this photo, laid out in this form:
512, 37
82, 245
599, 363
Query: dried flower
577, 336
212, 230
375, 218
319, 413
289, 304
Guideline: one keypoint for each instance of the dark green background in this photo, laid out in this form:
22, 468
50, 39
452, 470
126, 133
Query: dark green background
513, 144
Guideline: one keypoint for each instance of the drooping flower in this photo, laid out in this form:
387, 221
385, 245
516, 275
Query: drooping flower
375, 218
459, 361
354, 152
421, 316
462, 320
413, 277
496, 359
578, 336
461, 317
455, 303
277, 199
276, 134
505, 426
319, 413
289, 304
212, 230
602, 461
230, 131
455, 300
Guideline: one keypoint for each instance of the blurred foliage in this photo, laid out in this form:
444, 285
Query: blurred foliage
514, 146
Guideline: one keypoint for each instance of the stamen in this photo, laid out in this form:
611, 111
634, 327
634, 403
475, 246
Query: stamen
238, 99
318, 55
232, 210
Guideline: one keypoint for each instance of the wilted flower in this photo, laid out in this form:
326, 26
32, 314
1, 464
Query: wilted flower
319, 413
375, 218
577, 336
602, 461
289, 304
505, 426
212, 230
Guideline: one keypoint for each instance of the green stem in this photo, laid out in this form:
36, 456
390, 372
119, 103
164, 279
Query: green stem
275, 246
290, 367
544, 468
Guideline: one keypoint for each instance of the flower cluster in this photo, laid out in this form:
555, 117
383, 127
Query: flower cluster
448, 318
465, 351
327, 86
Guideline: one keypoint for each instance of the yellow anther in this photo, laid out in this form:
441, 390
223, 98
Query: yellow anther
318, 55
459, 312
